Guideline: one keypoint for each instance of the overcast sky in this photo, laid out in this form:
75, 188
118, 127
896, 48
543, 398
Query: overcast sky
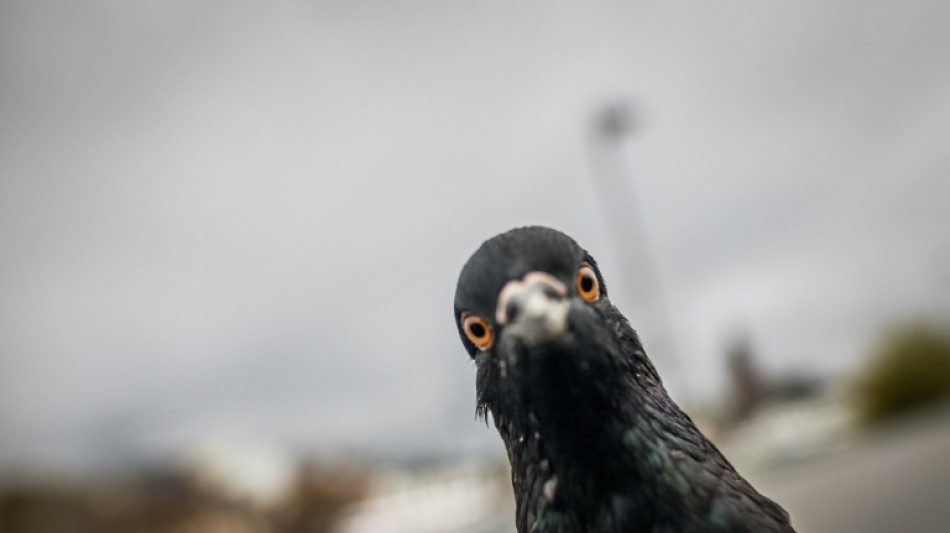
244, 221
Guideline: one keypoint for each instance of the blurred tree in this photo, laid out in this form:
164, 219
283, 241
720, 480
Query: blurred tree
44, 508
909, 370
321, 495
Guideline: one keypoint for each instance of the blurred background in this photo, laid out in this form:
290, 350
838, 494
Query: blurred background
230, 234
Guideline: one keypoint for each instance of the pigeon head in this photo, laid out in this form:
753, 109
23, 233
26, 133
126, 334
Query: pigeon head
532, 310
529, 273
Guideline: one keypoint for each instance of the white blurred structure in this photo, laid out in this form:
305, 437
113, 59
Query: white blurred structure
461, 499
783, 432
257, 475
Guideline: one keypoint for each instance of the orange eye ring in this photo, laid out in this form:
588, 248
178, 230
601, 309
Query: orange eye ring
478, 331
586, 283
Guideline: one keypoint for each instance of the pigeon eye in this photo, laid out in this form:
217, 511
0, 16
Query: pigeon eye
586, 282
478, 330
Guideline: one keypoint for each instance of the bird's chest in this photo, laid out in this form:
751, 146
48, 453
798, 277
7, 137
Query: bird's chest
555, 497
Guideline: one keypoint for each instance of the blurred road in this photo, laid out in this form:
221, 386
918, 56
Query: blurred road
898, 482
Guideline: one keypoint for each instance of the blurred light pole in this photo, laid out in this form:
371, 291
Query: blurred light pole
613, 181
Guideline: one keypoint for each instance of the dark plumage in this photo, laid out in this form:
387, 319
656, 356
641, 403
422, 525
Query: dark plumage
595, 443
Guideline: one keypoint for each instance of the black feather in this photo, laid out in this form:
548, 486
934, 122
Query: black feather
595, 443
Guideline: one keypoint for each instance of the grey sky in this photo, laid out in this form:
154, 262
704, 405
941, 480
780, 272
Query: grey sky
238, 220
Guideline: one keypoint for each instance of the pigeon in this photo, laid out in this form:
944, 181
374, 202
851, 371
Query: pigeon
594, 441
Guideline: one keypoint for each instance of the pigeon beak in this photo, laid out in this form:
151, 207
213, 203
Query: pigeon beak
533, 308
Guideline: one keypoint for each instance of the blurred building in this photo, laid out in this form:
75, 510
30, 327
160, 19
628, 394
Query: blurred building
770, 420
